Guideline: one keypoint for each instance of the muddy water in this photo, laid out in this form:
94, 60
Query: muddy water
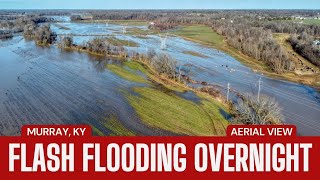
300, 104
43, 85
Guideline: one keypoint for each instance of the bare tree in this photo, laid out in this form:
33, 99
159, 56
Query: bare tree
165, 65
29, 29
44, 35
304, 45
253, 111
66, 42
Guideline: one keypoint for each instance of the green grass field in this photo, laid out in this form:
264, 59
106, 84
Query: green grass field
312, 21
202, 34
119, 42
116, 128
141, 32
135, 66
172, 113
126, 74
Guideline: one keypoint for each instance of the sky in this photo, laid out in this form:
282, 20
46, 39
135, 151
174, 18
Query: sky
159, 4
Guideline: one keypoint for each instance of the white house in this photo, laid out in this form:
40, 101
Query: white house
316, 42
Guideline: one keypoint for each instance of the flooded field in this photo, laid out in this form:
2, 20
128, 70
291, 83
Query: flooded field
44, 85
41, 85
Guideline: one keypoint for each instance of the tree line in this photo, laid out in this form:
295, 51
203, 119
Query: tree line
255, 42
20, 24
305, 46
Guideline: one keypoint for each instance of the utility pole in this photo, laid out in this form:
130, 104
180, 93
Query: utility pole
107, 24
124, 28
228, 92
163, 42
259, 89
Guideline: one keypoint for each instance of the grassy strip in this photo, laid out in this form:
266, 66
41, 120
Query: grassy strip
60, 26
126, 74
195, 54
172, 113
119, 42
96, 131
116, 128
136, 66
140, 32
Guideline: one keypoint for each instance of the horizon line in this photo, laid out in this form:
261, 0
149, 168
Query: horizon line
161, 9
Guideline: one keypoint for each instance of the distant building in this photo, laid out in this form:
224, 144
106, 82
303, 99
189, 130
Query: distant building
316, 42
87, 16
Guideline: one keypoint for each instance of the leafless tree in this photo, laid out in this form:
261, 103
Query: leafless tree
44, 35
304, 45
66, 41
29, 29
165, 65
251, 110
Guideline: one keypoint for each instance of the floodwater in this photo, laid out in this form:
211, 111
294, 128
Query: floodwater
43, 85
46, 85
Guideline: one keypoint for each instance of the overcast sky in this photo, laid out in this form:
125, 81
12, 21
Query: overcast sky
159, 4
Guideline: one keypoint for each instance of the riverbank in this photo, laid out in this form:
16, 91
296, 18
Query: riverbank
206, 36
